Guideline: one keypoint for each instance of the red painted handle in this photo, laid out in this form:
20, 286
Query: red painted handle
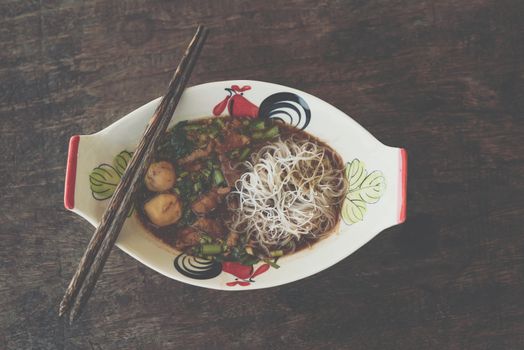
403, 187
70, 178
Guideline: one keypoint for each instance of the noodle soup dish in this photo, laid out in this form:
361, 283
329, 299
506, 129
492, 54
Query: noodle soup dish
241, 190
252, 185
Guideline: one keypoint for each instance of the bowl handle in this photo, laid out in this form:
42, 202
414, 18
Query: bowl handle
70, 177
403, 184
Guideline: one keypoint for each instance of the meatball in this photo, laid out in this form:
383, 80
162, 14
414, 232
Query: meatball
164, 209
160, 176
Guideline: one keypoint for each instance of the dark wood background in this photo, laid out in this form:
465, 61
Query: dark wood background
444, 79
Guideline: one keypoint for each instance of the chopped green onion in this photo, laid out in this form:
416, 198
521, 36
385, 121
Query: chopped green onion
211, 249
276, 253
213, 132
193, 127
268, 134
197, 186
273, 132
234, 153
249, 260
177, 191
258, 135
272, 263
218, 177
220, 122
183, 174
244, 154
258, 125
205, 238
206, 172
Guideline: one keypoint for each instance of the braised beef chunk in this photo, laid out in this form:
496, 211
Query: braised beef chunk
187, 238
231, 174
211, 227
205, 203
196, 154
222, 191
195, 166
231, 141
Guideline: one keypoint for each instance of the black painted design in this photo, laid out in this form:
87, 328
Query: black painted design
286, 107
197, 268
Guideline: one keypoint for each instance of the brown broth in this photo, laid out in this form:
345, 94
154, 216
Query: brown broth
168, 235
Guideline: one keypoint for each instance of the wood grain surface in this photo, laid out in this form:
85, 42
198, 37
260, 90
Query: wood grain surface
444, 79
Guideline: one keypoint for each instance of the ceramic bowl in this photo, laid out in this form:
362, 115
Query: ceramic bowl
376, 197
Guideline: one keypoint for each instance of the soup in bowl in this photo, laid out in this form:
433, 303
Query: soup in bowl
254, 185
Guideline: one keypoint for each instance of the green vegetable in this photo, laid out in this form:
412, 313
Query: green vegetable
244, 154
187, 218
258, 125
249, 260
273, 132
272, 263
220, 122
205, 238
213, 131
276, 253
175, 143
193, 127
234, 153
184, 187
268, 134
211, 249
183, 174
218, 177
258, 135
197, 186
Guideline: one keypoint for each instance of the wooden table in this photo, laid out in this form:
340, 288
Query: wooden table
443, 79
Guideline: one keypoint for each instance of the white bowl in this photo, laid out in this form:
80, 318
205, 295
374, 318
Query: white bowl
376, 197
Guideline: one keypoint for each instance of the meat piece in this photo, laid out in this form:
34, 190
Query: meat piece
164, 209
236, 123
233, 140
196, 166
160, 176
196, 154
187, 238
231, 174
205, 203
211, 227
222, 191
232, 239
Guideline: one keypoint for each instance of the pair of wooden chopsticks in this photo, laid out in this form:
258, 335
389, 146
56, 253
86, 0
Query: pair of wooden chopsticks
105, 235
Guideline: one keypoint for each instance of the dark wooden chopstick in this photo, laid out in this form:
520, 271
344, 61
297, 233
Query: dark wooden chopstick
105, 235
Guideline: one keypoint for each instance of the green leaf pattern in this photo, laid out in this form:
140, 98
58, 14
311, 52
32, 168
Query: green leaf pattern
363, 189
121, 160
104, 178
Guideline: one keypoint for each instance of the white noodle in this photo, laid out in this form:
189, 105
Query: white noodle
289, 192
